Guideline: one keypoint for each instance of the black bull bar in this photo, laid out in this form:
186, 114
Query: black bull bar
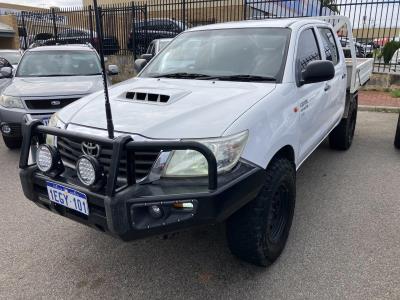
35, 131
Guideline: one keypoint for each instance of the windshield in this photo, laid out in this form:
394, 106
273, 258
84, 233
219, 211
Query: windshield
162, 44
225, 52
59, 63
12, 57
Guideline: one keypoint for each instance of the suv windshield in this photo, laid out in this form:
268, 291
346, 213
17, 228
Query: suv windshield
225, 54
12, 57
59, 63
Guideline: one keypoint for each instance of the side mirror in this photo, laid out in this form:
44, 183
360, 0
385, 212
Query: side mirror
318, 71
146, 56
113, 70
139, 64
6, 72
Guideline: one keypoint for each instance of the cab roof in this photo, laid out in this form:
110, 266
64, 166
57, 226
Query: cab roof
265, 23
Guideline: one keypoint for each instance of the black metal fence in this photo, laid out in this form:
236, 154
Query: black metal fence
129, 28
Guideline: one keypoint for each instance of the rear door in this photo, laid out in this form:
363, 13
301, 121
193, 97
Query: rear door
335, 89
311, 96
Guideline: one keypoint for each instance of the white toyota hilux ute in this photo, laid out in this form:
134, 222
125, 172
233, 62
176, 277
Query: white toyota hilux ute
212, 129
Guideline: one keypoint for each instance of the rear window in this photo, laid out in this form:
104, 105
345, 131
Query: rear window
329, 43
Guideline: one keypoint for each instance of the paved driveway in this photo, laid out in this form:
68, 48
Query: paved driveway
344, 243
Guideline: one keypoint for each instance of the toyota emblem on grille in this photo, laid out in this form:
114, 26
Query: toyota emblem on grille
55, 102
90, 149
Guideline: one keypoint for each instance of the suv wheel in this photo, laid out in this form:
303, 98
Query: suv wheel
342, 136
258, 232
12, 142
397, 137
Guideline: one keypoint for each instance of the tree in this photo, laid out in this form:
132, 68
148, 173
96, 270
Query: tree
330, 4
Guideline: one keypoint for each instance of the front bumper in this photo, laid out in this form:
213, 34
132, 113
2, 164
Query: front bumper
123, 211
126, 215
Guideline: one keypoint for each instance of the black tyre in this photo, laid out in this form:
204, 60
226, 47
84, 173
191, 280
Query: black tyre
12, 142
258, 232
397, 137
342, 136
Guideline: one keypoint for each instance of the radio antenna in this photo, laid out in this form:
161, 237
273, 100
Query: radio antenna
99, 29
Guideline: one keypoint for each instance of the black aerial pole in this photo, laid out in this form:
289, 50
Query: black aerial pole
99, 29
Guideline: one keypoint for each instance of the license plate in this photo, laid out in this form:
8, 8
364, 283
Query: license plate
67, 197
45, 121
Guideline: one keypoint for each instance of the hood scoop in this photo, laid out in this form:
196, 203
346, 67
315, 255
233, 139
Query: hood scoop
153, 95
136, 96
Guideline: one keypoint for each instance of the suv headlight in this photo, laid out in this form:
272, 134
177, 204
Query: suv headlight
54, 122
190, 163
11, 101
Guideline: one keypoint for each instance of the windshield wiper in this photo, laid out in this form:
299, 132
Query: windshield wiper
181, 75
242, 77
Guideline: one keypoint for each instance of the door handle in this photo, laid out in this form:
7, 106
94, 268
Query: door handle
327, 87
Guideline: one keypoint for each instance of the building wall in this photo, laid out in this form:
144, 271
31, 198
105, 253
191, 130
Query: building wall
6, 8
105, 2
10, 42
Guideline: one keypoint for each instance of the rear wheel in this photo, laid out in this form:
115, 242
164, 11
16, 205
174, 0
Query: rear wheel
12, 142
342, 136
397, 137
258, 232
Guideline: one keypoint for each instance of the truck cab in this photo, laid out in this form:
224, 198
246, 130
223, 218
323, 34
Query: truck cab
213, 129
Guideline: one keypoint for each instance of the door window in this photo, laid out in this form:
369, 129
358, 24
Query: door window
330, 48
307, 52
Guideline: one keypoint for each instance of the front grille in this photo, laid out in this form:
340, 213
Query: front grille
70, 152
49, 103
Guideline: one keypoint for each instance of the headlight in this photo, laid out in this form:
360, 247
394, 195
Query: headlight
89, 170
54, 122
189, 163
11, 102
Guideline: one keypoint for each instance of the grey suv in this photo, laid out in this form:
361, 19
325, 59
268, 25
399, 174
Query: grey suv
47, 78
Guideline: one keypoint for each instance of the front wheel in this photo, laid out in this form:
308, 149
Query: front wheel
397, 137
258, 232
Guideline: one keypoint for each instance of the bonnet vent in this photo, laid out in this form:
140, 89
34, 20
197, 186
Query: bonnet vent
148, 97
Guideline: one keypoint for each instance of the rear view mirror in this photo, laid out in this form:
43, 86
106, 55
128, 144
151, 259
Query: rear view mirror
6, 72
139, 64
146, 56
318, 71
113, 70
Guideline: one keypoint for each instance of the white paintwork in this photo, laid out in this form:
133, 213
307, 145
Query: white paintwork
202, 109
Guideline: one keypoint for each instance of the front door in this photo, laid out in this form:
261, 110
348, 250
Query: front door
311, 97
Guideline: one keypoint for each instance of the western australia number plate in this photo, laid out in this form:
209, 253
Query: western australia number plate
67, 197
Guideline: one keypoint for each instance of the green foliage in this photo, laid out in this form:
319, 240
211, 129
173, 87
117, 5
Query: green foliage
396, 93
389, 49
377, 53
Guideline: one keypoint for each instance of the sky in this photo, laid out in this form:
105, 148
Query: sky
45, 3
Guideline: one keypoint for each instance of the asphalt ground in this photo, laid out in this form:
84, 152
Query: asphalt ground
344, 242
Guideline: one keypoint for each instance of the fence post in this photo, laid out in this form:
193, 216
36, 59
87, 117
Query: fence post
91, 25
145, 29
24, 31
244, 9
53, 13
133, 36
183, 13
